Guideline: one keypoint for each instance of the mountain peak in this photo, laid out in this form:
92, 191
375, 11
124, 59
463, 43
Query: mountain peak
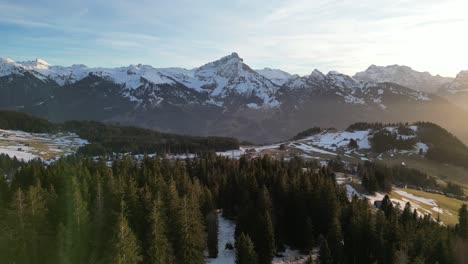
6, 60
403, 75
42, 62
317, 74
462, 74
235, 55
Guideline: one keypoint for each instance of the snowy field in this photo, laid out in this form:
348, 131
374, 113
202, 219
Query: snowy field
225, 256
225, 235
330, 143
333, 140
48, 147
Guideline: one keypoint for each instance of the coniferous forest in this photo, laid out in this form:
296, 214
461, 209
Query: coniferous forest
156, 210
108, 138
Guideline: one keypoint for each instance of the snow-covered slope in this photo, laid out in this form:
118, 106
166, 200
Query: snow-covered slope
9, 66
129, 76
220, 79
329, 143
277, 76
231, 76
350, 90
405, 76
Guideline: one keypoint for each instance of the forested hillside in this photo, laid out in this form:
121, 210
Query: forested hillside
160, 211
108, 139
25, 122
443, 146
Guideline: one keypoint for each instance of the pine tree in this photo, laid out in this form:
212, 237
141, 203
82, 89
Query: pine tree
160, 248
98, 221
334, 240
245, 250
325, 256
386, 206
125, 243
39, 228
20, 229
78, 224
463, 221
212, 236
263, 234
265, 243
192, 240
309, 235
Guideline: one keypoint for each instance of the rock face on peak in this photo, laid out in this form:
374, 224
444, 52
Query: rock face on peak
457, 90
459, 84
225, 97
230, 76
405, 76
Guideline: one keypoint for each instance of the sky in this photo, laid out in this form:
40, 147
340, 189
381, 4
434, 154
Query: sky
297, 36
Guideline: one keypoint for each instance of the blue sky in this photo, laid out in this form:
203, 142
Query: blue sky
297, 36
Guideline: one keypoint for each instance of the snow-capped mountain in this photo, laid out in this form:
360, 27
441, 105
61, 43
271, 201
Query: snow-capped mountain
9, 67
459, 84
277, 76
129, 76
457, 91
222, 78
231, 76
350, 90
405, 76
224, 97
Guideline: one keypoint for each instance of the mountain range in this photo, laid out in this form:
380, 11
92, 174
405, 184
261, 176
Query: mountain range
454, 89
227, 97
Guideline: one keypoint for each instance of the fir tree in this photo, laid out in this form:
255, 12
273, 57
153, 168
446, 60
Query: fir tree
265, 243
125, 244
325, 256
245, 250
161, 250
463, 221
212, 234
309, 235
193, 238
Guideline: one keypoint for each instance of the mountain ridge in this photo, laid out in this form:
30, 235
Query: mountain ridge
225, 97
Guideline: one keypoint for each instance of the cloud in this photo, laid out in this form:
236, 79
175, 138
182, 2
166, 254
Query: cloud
294, 35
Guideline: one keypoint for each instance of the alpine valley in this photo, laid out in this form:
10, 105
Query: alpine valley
226, 97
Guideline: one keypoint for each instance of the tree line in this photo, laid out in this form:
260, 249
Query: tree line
108, 139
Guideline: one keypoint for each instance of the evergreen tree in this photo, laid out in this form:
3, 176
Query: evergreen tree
245, 250
309, 235
212, 234
325, 256
161, 250
334, 241
125, 244
193, 238
463, 221
265, 243
19, 212
386, 206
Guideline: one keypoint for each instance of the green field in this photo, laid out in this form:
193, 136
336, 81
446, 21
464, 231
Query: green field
449, 204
